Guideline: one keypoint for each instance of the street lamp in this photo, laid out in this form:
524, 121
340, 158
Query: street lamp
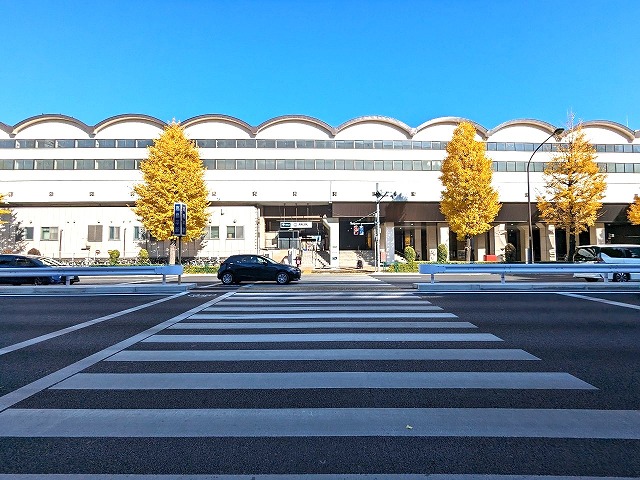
379, 196
530, 256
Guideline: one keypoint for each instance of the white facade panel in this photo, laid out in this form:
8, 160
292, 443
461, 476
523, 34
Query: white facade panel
51, 130
372, 130
294, 129
130, 129
216, 129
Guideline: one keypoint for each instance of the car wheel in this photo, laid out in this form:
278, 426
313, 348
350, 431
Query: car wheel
282, 278
227, 278
621, 277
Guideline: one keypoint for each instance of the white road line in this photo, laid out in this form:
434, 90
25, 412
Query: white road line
305, 325
47, 381
356, 294
307, 303
326, 337
464, 354
73, 328
323, 380
330, 314
391, 307
602, 300
318, 422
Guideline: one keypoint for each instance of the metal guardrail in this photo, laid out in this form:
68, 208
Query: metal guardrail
70, 272
503, 269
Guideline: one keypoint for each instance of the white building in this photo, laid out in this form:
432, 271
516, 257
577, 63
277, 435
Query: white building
294, 180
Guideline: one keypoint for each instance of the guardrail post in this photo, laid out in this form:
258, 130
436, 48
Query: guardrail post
502, 278
164, 278
433, 278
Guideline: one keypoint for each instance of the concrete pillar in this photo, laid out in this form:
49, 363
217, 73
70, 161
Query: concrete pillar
597, 235
432, 243
443, 236
387, 242
550, 242
480, 246
417, 235
499, 239
524, 242
333, 226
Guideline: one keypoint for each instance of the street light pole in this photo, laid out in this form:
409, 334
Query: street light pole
379, 196
530, 256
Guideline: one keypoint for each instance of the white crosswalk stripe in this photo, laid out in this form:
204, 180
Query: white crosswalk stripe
368, 314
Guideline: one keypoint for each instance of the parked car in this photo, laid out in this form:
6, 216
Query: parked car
31, 261
610, 253
239, 268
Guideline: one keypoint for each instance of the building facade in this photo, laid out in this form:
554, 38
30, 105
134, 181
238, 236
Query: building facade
295, 182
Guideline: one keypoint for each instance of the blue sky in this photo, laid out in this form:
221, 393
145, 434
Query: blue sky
488, 61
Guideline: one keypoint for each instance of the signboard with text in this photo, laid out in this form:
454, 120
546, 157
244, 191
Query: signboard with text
180, 219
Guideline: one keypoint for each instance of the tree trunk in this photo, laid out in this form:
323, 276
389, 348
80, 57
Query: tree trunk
467, 249
572, 247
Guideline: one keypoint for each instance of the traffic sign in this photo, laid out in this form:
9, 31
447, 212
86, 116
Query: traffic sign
180, 219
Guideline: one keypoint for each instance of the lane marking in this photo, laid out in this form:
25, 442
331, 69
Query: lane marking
326, 337
304, 476
47, 381
304, 325
317, 354
318, 422
601, 300
330, 314
391, 307
79, 326
323, 380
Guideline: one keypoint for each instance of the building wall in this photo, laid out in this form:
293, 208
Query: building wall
75, 198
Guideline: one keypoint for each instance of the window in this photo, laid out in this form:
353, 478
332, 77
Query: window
26, 144
143, 143
6, 164
7, 144
85, 164
234, 232
86, 143
138, 233
114, 233
49, 233
24, 165
28, 233
246, 143
125, 164
226, 144
105, 164
44, 165
126, 143
66, 143
64, 165
94, 233
106, 143
213, 232
286, 143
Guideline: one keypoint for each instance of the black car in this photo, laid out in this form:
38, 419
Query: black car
31, 261
238, 268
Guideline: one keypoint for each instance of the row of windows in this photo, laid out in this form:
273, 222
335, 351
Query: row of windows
94, 233
271, 164
325, 144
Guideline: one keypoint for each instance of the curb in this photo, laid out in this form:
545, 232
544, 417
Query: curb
527, 286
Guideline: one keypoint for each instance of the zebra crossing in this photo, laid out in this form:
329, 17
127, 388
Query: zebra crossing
307, 343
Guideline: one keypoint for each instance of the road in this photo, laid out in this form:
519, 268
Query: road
333, 376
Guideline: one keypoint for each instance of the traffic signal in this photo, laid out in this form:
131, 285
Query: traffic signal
180, 219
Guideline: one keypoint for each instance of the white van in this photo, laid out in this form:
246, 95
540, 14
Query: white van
610, 253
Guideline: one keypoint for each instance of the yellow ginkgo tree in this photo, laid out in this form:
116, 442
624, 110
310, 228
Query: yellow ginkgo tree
574, 187
468, 202
633, 213
172, 172
3, 211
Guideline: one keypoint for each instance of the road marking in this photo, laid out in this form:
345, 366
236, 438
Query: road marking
319, 422
323, 380
47, 381
317, 354
602, 300
326, 337
330, 314
392, 307
303, 325
73, 328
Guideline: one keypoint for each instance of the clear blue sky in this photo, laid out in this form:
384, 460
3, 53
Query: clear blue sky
488, 61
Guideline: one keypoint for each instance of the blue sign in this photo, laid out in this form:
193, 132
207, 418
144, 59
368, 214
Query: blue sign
180, 219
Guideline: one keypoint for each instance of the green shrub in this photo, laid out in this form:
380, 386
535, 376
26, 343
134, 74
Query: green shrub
443, 253
409, 254
114, 255
201, 269
143, 257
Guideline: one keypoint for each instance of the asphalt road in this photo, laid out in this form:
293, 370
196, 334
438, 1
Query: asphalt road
332, 375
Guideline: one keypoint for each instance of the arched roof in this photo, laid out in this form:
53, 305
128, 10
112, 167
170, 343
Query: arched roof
380, 119
297, 118
528, 122
624, 131
51, 117
127, 117
452, 120
225, 118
